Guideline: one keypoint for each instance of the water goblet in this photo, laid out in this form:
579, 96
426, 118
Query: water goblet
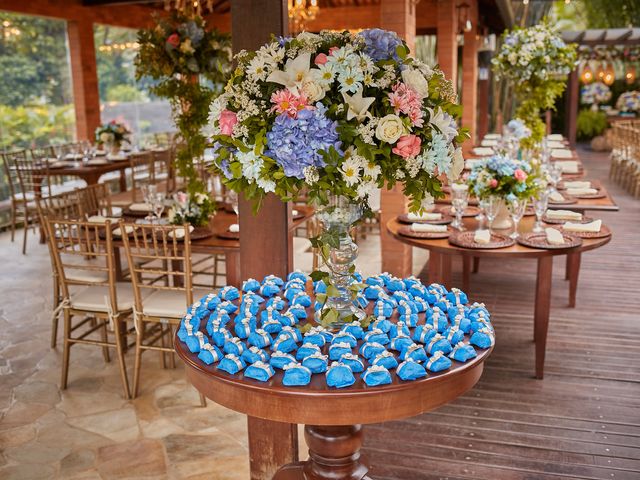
491, 206
148, 190
540, 206
459, 200
482, 216
232, 199
157, 203
516, 209
554, 175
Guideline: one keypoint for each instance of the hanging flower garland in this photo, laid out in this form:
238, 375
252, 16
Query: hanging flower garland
595, 93
536, 60
179, 52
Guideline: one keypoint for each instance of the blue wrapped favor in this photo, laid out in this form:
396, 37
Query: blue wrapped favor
210, 354
457, 297
296, 375
298, 311
345, 337
186, 327
340, 375
227, 306
462, 352
380, 324
410, 370
250, 285
395, 284
418, 291
376, 375
254, 354
273, 279
314, 337
374, 280
386, 359
305, 350
269, 289
376, 335
438, 343
453, 334
410, 320
272, 326
244, 327
456, 310
400, 342
269, 313
463, 323
414, 352
220, 315
372, 292
229, 293
292, 332
382, 309
234, 346
301, 298
438, 362
480, 321
253, 297
195, 342
259, 371
220, 336
399, 328
284, 343
355, 329
353, 362
402, 295
370, 350
259, 338
336, 350
276, 302
319, 287
280, 359
231, 364
316, 362
483, 338
361, 301
438, 319
405, 307
287, 319
298, 275
411, 282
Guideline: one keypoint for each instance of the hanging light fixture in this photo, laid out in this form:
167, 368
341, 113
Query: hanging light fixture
189, 7
600, 72
301, 12
609, 75
586, 76
464, 20
630, 75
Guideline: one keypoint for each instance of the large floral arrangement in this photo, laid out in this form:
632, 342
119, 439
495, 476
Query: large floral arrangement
336, 114
176, 53
536, 60
504, 177
517, 129
629, 101
595, 93
112, 132
194, 209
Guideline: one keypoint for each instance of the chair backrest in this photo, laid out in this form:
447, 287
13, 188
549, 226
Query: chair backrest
83, 253
141, 165
64, 206
159, 260
40, 154
26, 175
95, 200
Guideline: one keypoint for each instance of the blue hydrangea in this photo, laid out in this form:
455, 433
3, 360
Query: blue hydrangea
193, 32
296, 143
381, 44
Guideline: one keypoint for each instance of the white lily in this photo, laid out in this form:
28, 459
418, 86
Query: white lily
443, 122
296, 72
358, 106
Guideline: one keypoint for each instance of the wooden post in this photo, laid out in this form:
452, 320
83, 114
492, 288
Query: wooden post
470, 77
483, 103
398, 16
571, 114
84, 74
448, 40
265, 240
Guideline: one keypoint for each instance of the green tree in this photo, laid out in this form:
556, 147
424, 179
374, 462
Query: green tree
582, 14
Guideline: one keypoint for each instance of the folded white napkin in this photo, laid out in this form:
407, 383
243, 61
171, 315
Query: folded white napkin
97, 161
427, 227
555, 136
582, 191
140, 207
554, 237
179, 232
460, 187
563, 215
482, 236
489, 143
472, 162
556, 144
594, 226
116, 158
577, 184
100, 152
159, 149
483, 151
128, 229
556, 197
494, 136
568, 167
294, 212
234, 228
425, 216
101, 219
561, 153
73, 156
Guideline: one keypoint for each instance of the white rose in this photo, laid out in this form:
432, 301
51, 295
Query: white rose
106, 137
457, 165
313, 90
416, 81
200, 198
308, 37
390, 128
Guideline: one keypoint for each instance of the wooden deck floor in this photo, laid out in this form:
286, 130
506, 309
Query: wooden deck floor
582, 420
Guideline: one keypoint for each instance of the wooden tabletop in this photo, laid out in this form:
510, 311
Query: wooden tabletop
515, 251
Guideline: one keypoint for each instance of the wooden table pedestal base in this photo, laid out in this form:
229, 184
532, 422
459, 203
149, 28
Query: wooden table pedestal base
334, 454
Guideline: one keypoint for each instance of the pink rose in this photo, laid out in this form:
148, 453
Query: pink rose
182, 198
493, 183
332, 49
407, 146
520, 175
227, 121
321, 59
173, 39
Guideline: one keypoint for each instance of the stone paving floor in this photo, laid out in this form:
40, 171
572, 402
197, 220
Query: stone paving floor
89, 431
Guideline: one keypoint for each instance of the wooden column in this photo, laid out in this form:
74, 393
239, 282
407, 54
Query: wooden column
398, 16
483, 103
84, 75
571, 115
265, 240
470, 77
448, 39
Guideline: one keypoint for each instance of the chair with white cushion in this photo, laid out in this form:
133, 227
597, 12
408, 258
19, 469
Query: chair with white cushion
161, 273
91, 307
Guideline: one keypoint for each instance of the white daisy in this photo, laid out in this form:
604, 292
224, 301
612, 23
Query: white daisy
351, 170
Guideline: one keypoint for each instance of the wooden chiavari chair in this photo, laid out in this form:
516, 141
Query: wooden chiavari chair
161, 275
99, 304
95, 200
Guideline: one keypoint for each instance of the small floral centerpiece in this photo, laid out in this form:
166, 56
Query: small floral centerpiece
517, 129
594, 94
337, 115
504, 177
193, 209
112, 134
629, 101
536, 61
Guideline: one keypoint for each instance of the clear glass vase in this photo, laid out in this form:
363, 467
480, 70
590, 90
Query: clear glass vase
337, 219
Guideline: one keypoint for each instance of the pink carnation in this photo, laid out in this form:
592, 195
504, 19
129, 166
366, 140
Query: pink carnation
493, 183
520, 175
332, 49
408, 146
405, 100
173, 39
286, 102
227, 121
321, 59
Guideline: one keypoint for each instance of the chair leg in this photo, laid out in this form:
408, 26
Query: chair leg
163, 342
138, 358
13, 222
121, 363
105, 339
66, 349
203, 400
56, 303
172, 355
26, 232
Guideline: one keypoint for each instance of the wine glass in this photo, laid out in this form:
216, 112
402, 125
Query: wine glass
87, 150
540, 206
459, 200
148, 191
157, 204
482, 217
232, 199
491, 207
555, 175
516, 208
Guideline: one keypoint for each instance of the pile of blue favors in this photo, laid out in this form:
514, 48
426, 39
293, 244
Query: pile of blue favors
415, 330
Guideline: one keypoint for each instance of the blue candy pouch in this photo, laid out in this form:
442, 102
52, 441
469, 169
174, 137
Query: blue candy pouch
438, 344
319, 287
376, 375
315, 338
385, 359
462, 352
254, 354
259, 371
410, 370
345, 337
382, 309
370, 350
220, 336
301, 298
336, 350
234, 346
339, 375
414, 352
273, 279
375, 281
269, 289
316, 362
354, 329
229, 294
380, 324
244, 328
250, 285
298, 275
438, 319
259, 338
438, 362
353, 362
276, 302
483, 338
410, 320
296, 375
305, 350
280, 359
377, 336
231, 364
399, 328
372, 292
195, 342
424, 333
457, 297
298, 311
210, 354
227, 307
287, 319
292, 332
272, 326
284, 343
453, 335
400, 342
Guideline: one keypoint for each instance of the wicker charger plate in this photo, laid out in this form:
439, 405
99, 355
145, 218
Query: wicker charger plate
468, 212
227, 235
568, 200
445, 220
600, 194
466, 240
406, 231
529, 211
554, 221
539, 240
604, 232
198, 233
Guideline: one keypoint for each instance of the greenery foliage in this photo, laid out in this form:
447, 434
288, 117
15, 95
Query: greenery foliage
590, 124
175, 53
35, 125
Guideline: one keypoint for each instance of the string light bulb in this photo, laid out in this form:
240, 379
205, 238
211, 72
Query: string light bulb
587, 74
609, 75
630, 75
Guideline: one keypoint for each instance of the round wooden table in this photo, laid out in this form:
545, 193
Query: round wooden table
332, 417
441, 253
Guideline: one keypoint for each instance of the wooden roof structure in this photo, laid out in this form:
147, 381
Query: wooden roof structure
599, 36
